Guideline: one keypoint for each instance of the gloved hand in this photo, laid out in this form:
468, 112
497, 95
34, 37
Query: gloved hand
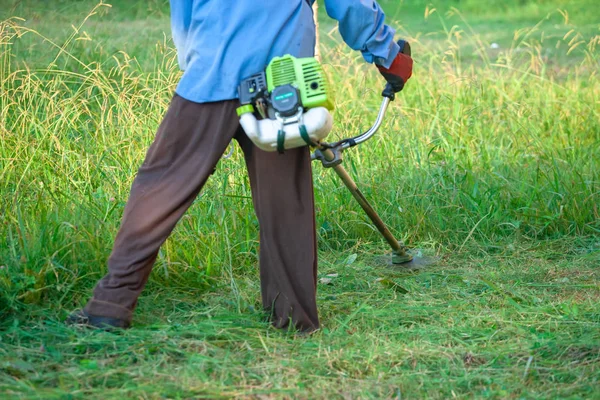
400, 70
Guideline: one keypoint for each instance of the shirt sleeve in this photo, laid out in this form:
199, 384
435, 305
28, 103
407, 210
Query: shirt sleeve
362, 26
181, 17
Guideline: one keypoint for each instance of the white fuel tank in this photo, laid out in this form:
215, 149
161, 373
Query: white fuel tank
318, 122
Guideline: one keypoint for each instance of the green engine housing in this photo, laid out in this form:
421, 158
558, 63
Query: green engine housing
306, 74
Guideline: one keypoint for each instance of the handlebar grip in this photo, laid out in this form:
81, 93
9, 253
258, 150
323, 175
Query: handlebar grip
389, 92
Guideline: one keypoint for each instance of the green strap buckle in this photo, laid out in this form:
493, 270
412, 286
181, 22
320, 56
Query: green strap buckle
246, 108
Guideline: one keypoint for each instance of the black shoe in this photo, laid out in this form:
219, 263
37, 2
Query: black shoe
80, 317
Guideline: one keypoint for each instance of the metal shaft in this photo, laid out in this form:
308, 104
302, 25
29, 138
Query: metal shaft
360, 198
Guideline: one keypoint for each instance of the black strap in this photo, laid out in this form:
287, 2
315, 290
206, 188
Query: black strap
304, 135
280, 140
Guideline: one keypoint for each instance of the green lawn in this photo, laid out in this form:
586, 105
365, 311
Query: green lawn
488, 160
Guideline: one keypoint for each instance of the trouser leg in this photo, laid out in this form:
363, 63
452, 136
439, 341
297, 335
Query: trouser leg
282, 192
188, 144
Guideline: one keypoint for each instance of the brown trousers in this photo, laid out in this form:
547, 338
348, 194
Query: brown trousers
190, 141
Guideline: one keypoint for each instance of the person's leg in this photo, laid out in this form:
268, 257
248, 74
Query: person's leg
189, 142
282, 192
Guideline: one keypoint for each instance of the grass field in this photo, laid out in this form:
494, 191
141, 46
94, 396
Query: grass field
489, 160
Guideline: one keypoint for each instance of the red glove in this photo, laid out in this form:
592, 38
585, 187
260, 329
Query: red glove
400, 70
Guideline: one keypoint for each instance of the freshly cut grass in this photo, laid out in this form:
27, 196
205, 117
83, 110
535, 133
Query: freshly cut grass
488, 159
514, 325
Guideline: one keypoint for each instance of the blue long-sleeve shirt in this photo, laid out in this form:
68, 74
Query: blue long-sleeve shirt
220, 42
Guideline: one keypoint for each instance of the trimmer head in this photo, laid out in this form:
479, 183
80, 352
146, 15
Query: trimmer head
411, 260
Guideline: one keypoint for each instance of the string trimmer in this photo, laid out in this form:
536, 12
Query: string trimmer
293, 98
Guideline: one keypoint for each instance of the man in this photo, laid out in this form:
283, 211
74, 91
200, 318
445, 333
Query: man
219, 43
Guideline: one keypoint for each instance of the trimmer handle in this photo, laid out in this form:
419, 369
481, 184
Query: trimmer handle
334, 149
389, 91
